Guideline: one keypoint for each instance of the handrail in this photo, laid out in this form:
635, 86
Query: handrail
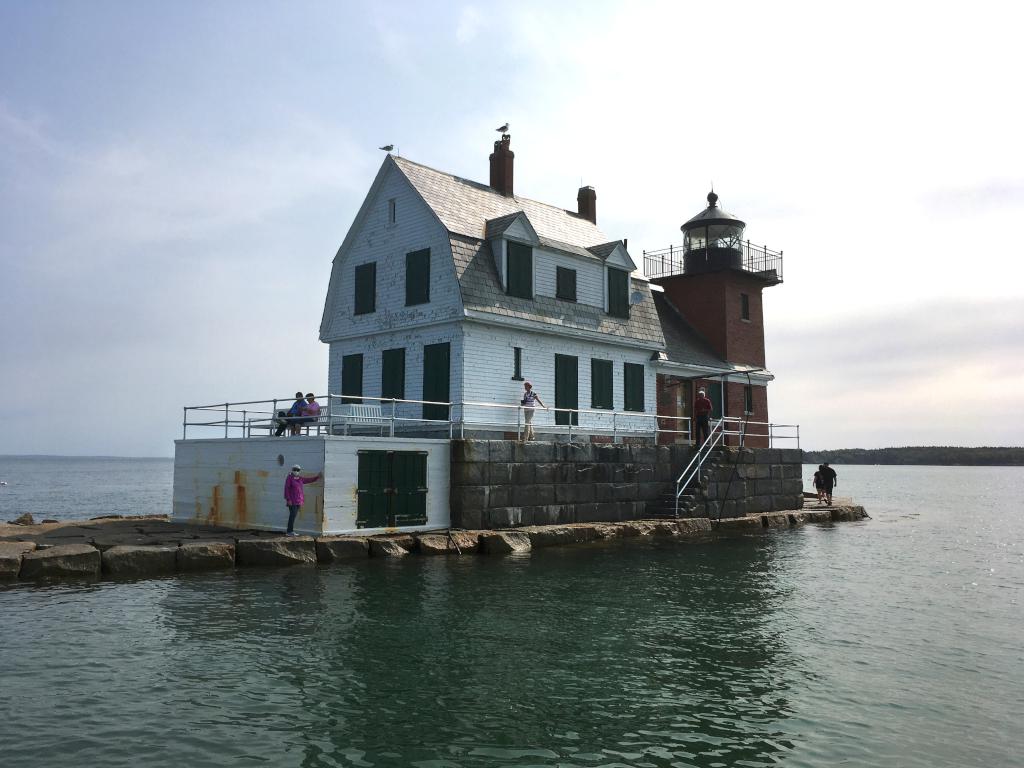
247, 416
715, 436
758, 259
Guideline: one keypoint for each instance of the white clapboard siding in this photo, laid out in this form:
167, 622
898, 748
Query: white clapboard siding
589, 275
412, 341
488, 354
240, 483
375, 239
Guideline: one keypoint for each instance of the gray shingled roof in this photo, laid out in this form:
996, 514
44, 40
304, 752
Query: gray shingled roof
472, 212
465, 207
482, 292
683, 343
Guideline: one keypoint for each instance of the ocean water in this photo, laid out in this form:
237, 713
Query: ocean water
77, 488
894, 641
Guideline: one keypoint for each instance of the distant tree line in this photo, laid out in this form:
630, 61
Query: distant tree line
935, 455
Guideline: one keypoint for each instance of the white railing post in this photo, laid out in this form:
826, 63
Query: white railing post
226, 419
519, 422
184, 423
615, 428
392, 417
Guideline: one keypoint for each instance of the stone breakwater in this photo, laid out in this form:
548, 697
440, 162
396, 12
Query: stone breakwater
150, 547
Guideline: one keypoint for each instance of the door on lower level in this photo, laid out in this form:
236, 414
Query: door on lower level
567, 388
436, 379
392, 489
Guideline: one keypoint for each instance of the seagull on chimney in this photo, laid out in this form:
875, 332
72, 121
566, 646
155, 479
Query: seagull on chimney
388, 147
503, 129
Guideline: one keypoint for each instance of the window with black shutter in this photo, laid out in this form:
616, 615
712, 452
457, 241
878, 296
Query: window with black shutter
436, 379
565, 283
392, 374
517, 364
600, 383
366, 288
417, 277
618, 292
748, 399
633, 387
567, 393
352, 378
520, 271
744, 306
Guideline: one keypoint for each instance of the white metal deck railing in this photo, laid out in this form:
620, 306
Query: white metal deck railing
395, 417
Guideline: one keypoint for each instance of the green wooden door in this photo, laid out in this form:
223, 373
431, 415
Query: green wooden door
715, 396
372, 493
567, 389
409, 488
392, 489
436, 379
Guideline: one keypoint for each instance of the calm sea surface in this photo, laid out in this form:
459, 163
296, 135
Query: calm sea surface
896, 641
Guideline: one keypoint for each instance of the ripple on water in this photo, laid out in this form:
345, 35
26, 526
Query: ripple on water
805, 647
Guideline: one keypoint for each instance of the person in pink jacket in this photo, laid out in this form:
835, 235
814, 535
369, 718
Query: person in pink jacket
295, 495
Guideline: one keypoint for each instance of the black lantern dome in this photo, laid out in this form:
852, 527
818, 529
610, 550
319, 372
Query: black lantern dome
712, 240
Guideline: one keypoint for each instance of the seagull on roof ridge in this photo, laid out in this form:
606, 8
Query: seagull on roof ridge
503, 129
388, 147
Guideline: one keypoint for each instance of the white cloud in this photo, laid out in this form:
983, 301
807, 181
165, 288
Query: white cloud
468, 27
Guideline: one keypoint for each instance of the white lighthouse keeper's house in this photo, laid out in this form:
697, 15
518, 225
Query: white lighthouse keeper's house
450, 290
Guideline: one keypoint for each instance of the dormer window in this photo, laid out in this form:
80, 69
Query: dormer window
520, 271
618, 292
565, 283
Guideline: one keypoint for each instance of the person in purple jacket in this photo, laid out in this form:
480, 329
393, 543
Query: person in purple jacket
295, 495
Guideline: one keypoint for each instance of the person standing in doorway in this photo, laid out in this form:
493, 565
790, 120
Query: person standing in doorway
702, 415
295, 495
829, 480
529, 402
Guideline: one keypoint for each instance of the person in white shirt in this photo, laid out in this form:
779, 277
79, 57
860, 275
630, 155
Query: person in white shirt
529, 402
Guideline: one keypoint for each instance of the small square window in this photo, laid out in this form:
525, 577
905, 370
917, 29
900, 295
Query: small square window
392, 211
744, 306
565, 283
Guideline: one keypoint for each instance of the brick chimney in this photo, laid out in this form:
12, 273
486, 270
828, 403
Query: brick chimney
501, 166
587, 201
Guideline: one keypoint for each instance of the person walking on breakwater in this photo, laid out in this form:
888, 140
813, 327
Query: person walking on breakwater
702, 413
529, 403
829, 479
819, 484
295, 495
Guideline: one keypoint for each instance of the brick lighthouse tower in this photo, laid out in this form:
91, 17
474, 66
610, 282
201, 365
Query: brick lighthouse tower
715, 282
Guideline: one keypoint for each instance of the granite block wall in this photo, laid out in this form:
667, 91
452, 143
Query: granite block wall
501, 483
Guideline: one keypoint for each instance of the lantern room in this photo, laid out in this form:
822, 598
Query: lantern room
713, 240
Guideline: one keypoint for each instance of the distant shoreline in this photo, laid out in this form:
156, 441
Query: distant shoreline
935, 456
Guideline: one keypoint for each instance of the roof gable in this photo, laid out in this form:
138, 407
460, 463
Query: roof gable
514, 226
465, 207
614, 254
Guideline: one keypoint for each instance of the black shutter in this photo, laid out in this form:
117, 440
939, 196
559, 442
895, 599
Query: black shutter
436, 379
352, 378
366, 288
565, 283
417, 277
520, 271
618, 292
567, 390
392, 376
600, 383
633, 387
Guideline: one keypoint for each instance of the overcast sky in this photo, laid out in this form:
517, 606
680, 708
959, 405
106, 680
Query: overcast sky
175, 179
